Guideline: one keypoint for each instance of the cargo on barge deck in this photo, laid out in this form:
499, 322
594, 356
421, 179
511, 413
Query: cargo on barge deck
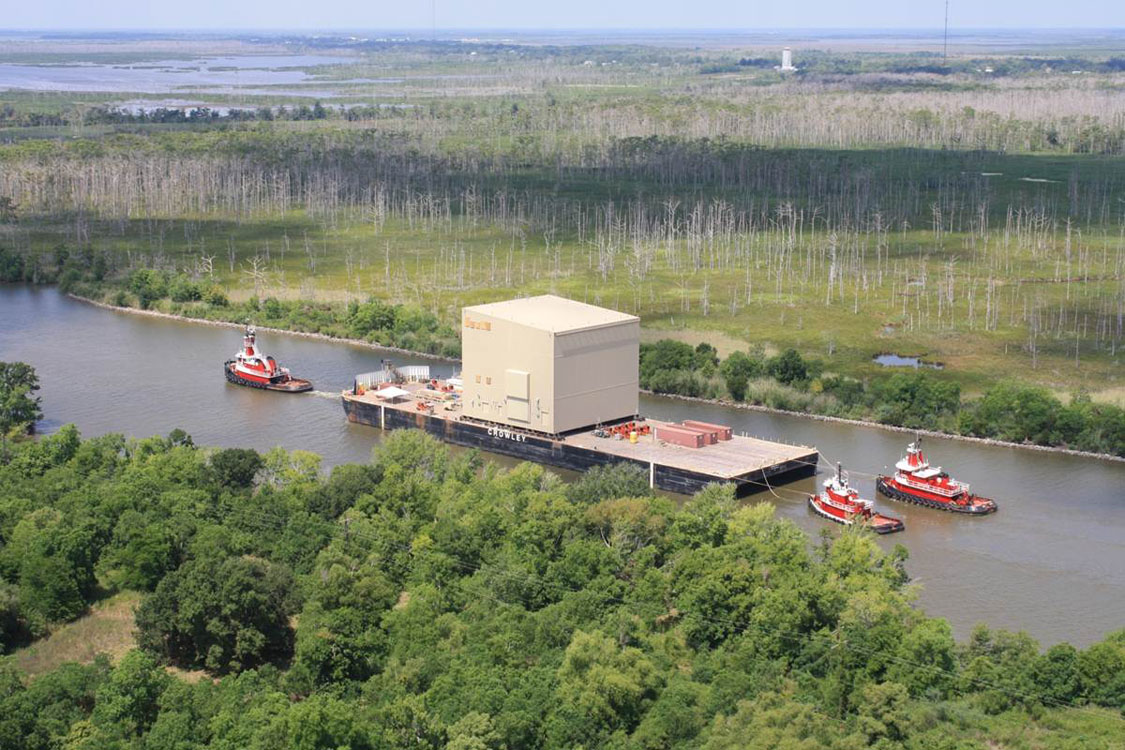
750, 464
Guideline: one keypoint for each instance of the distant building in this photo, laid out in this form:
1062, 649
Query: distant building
786, 61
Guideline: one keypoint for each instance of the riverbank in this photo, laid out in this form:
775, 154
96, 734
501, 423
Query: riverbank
890, 427
268, 329
715, 402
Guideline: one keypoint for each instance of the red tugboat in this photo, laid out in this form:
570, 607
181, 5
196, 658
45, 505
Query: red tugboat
252, 368
918, 482
842, 504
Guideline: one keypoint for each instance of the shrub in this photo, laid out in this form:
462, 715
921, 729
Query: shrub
215, 297
185, 290
788, 367
148, 285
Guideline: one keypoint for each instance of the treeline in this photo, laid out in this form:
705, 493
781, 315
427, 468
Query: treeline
177, 115
426, 600
402, 326
1008, 410
199, 115
821, 62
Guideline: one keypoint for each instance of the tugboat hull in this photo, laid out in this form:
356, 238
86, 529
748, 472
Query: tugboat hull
292, 385
878, 523
887, 488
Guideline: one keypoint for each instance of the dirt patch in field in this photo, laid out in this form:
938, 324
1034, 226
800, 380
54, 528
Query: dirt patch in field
106, 629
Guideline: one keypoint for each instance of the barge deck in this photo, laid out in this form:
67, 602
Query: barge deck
750, 464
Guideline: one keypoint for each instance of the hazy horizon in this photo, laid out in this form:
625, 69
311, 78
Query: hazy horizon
960, 30
577, 15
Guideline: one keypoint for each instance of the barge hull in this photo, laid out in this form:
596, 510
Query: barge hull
498, 439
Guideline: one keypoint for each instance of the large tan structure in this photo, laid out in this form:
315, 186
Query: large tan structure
549, 364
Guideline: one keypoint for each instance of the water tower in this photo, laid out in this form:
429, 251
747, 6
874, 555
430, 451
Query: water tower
787, 60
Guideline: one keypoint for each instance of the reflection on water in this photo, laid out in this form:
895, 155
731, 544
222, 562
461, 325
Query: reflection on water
1051, 561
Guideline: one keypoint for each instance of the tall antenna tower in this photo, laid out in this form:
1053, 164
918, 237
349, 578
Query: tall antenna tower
945, 41
433, 17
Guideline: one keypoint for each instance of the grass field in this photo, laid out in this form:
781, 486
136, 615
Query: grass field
106, 629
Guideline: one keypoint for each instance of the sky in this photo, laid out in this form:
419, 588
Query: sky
557, 14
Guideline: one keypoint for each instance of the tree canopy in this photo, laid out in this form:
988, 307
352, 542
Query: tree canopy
429, 599
19, 406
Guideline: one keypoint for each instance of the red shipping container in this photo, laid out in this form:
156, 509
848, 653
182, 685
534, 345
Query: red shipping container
723, 432
710, 437
680, 436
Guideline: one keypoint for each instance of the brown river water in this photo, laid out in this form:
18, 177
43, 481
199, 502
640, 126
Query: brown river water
1051, 561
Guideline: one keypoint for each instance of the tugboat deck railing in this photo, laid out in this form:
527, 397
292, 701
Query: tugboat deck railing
952, 489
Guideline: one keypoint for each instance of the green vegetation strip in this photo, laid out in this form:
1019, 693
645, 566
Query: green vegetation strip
431, 600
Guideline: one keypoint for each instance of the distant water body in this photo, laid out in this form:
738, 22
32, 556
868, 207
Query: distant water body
233, 74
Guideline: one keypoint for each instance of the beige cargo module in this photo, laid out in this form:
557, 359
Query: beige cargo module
549, 364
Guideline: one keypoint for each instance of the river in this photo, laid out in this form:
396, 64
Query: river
1051, 561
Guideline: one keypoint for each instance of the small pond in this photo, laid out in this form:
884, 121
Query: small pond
895, 360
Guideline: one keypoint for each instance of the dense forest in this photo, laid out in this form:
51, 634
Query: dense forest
431, 600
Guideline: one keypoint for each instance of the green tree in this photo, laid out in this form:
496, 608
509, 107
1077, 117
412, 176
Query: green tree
183, 289
609, 482
14, 630
222, 615
927, 659
1102, 671
677, 716
140, 553
737, 371
788, 367
149, 286
705, 359
128, 702
915, 399
40, 714
19, 406
1015, 412
665, 354
1057, 675
370, 317
882, 713
474, 731
602, 688
773, 722
55, 558
235, 468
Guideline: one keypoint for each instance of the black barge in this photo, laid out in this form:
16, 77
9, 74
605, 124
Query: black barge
750, 464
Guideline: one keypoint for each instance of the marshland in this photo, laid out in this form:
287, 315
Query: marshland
969, 211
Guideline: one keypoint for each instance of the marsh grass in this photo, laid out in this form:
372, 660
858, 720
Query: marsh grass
973, 219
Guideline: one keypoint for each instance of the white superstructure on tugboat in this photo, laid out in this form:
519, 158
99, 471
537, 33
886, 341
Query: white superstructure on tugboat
915, 481
841, 503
